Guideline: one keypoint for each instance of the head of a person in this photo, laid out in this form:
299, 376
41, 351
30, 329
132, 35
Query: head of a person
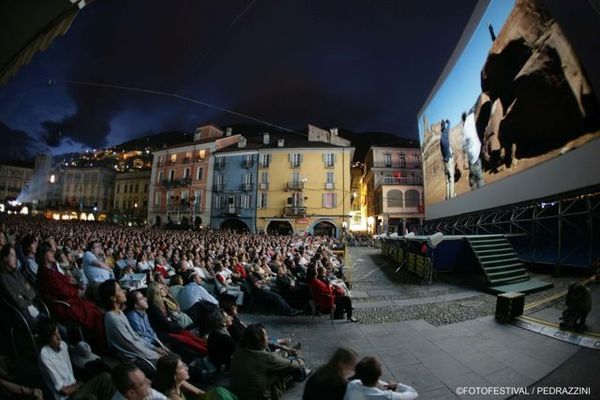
176, 280
131, 382
136, 301
255, 337
29, 244
45, 254
170, 373
343, 361
321, 272
95, 247
9, 257
48, 333
111, 295
368, 370
219, 320
154, 293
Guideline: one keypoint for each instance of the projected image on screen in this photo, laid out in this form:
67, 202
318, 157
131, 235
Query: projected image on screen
517, 96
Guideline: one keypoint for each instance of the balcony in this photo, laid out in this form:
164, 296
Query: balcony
295, 186
264, 164
247, 187
200, 158
247, 163
263, 186
181, 208
231, 210
329, 185
175, 183
398, 165
218, 187
294, 211
401, 180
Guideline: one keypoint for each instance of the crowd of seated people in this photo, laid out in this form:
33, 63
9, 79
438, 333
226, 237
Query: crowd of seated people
67, 276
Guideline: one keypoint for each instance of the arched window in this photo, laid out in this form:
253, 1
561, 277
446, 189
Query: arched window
394, 198
412, 198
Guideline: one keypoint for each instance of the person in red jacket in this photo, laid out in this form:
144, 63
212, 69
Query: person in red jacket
327, 296
57, 289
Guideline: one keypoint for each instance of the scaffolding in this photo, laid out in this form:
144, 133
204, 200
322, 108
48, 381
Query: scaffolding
562, 230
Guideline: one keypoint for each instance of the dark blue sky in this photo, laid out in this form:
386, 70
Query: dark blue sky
358, 65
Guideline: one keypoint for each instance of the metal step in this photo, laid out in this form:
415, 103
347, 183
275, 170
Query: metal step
519, 278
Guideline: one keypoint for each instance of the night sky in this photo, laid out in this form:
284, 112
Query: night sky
355, 64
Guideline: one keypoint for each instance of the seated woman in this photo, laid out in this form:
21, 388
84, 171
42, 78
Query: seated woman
221, 345
330, 380
170, 322
120, 337
328, 297
16, 289
58, 288
172, 380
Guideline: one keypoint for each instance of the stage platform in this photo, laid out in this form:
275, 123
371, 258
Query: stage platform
530, 286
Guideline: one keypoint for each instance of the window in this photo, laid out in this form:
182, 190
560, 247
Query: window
295, 160
169, 197
160, 176
245, 201
185, 195
329, 159
219, 180
329, 200
171, 175
173, 158
387, 159
329, 177
137, 187
125, 188
262, 200
264, 177
412, 198
157, 198
416, 160
201, 155
199, 173
297, 199
247, 179
188, 156
186, 173
197, 197
394, 198
161, 160
218, 201
402, 160
265, 160
296, 178
118, 189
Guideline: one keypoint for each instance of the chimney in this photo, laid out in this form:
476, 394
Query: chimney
242, 142
228, 131
266, 138
280, 142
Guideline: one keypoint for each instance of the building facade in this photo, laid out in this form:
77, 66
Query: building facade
131, 196
180, 185
393, 180
14, 179
86, 189
304, 184
234, 187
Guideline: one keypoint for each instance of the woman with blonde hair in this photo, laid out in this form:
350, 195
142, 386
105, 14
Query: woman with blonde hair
165, 316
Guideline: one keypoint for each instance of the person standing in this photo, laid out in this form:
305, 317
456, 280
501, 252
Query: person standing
471, 146
448, 157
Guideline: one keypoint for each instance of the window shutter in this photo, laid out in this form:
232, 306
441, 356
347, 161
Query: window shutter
324, 200
334, 198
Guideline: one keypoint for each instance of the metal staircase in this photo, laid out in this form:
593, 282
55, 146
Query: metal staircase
498, 259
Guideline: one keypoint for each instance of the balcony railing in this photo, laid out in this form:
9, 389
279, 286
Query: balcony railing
182, 208
263, 186
294, 211
295, 185
329, 185
247, 163
403, 180
174, 183
247, 187
218, 187
231, 210
397, 165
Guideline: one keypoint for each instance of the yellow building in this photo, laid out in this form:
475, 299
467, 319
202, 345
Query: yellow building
131, 196
304, 183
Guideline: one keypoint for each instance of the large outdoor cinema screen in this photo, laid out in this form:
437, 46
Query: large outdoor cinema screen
515, 115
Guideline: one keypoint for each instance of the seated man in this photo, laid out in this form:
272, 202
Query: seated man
256, 373
262, 290
95, 270
57, 371
137, 305
132, 384
120, 337
369, 387
195, 300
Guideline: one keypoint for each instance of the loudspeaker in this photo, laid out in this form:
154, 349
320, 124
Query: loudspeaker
290, 201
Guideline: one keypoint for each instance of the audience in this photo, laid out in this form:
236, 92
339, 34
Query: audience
131, 384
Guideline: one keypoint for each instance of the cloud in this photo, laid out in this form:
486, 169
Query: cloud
16, 144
